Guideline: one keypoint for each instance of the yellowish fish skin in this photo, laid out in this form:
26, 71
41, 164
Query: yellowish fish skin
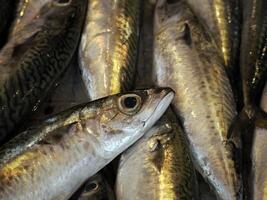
259, 154
186, 59
109, 45
158, 166
53, 160
222, 18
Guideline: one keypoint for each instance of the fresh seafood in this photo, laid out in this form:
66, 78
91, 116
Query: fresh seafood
53, 160
158, 166
34, 64
186, 59
222, 19
96, 188
109, 44
253, 56
259, 155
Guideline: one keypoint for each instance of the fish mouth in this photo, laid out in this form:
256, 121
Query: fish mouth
160, 108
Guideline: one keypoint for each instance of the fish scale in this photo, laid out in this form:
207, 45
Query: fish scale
44, 61
53, 159
160, 162
204, 99
109, 46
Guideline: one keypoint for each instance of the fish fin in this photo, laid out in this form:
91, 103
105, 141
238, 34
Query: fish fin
238, 126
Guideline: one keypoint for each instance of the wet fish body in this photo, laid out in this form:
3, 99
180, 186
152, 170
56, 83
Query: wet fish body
258, 177
222, 18
193, 67
109, 46
37, 62
159, 164
53, 160
253, 51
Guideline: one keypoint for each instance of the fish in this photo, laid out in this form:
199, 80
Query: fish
95, 188
55, 158
258, 175
160, 165
253, 59
109, 46
36, 63
186, 59
6, 15
26, 12
222, 18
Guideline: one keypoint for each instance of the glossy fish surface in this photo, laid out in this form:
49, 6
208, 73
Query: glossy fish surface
109, 46
186, 59
158, 166
54, 159
253, 51
32, 65
258, 176
222, 19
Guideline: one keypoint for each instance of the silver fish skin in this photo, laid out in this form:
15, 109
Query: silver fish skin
258, 175
186, 59
222, 19
53, 160
109, 46
96, 188
32, 66
158, 166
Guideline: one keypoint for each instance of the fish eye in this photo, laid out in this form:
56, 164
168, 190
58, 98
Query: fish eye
93, 186
62, 2
130, 103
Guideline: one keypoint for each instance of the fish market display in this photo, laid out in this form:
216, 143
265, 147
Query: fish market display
109, 44
158, 166
222, 19
259, 156
96, 188
186, 59
52, 160
6, 13
33, 65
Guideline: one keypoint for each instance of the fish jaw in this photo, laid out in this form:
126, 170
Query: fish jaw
137, 128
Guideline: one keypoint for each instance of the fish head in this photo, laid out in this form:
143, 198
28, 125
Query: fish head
127, 116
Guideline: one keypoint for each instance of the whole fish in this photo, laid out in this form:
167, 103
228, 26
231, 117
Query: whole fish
109, 45
7, 8
53, 160
258, 176
158, 166
96, 188
36, 63
222, 19
186, 59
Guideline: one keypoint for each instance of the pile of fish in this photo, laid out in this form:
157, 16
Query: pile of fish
203, 112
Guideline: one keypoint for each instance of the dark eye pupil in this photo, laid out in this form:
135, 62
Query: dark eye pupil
63, 1
130, 102
90, 187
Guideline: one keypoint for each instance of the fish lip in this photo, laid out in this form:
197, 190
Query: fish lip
162, 105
